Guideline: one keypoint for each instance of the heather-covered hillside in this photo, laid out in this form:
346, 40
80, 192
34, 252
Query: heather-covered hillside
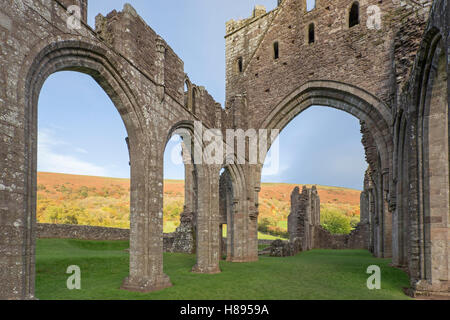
100, 201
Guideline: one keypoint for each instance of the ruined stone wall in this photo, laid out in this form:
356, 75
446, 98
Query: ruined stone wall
422, 169
144, 79
339, 53
65, 231
355, 69
304, 225
171, 241
129, 34
357, 239
358, 70
181, 241
304, 216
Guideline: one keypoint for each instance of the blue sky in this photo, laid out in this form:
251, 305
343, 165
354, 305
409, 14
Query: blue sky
80, 131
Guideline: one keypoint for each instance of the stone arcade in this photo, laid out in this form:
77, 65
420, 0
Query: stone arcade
278, 63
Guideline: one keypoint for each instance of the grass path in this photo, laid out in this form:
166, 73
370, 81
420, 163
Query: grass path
317, 274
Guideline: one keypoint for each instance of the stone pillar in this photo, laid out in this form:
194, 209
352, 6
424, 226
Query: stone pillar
387, 217
146, 225
190, 182
237, 232
378, 213
305, 212
251, 218
435, 185
222, 242
17, 245
293, 223
208, 220
397, 241
372, 223
188, 188
243, 223
232, 232
364, 207
253, 228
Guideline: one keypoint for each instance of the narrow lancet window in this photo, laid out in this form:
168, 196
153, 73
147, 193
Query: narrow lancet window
311, 34
240, 65
276, 50
354, 15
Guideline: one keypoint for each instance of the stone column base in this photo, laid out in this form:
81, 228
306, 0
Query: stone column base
424, 288
15, 298
206, 270
145, 285
242, 260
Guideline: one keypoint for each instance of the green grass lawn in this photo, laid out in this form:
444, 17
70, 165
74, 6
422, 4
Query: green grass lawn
317, 274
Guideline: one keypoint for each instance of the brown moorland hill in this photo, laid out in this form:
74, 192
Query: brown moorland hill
102, 201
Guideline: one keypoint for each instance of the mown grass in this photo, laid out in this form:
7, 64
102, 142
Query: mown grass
318, 274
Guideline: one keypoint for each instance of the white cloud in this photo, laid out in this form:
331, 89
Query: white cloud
50, 160
81, 150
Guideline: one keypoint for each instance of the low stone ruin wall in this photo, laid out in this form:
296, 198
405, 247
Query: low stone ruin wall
306, 233
66, 231
173, 242
321, 239
265, 242
357, 239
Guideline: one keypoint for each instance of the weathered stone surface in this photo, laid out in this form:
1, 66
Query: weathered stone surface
306, 233
304, 216
394, 80
61, 231
184, 236
64, 231
281, 248
357, 239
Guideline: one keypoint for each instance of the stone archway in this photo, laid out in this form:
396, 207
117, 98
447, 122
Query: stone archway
429, 170
206, 203
241, 228
82, 57
377, 120
401, 223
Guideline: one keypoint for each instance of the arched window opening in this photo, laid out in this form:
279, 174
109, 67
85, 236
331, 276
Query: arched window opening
194, 99
226, 223
354, 15
83, 164
345, 163
276, 52
240, 65
311, 33
186, 94
174, 180
180, 193
310, 5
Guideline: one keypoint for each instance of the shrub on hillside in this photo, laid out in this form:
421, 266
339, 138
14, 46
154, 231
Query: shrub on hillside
335, 222
269, 226
61, 215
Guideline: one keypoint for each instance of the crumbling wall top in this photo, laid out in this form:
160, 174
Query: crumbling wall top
258, 13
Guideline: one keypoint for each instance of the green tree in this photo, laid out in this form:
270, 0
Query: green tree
335, 222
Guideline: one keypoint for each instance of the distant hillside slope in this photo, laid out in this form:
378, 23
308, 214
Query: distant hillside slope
100, 201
